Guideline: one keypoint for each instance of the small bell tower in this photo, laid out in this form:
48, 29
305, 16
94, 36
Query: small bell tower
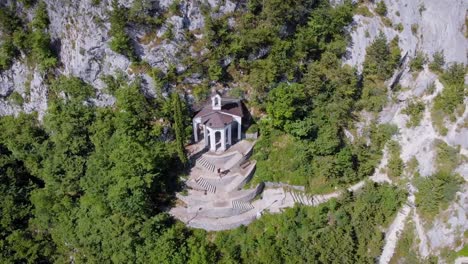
216, 102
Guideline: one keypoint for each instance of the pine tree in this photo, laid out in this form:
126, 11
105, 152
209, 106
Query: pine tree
179, 127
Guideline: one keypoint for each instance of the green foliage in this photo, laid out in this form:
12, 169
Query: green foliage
286, 103
174, 7
18, 241
73, 88
381, 8
103, 176
395, 163
374, 94
451, 97
369, 156
463, 252
418, 61
143, 12
16, 98
379, 64
179, 128
415, 111
381, 59
399, 27
438, 62
406, 250
435, 192
363, 10
447, 157
10, 25
341, 231
120, 42
7, 54
270, 151
268, 41
41, 18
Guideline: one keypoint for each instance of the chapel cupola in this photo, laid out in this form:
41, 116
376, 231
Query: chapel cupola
216, 101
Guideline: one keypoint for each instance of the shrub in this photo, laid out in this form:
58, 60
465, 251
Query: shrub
395, 163
422, 8
430, 89
7, 54
435, 192
174, 8
363, 10
414, 28
381, 8
454, 90
399, 27
41, 51
120, 42
415, 111
41, 18
438, 62
16, 98
448, 158
169, 33
387, 22
253, 128
418, 61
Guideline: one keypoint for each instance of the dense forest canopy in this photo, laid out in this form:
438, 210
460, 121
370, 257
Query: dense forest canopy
90, 184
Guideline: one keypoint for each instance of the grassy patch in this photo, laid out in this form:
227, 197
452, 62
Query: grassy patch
448, 158
272, 165
406, 249
16, 98
463, 252
282, 158
387, 22
140, 67
438, 121
363, 10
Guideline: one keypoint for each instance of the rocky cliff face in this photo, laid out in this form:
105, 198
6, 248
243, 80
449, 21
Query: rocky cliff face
80, 33
427, 26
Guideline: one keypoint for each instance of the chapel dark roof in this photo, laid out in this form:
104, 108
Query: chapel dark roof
228, 106
217, 120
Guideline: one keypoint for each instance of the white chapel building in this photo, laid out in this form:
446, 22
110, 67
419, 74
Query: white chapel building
219, 123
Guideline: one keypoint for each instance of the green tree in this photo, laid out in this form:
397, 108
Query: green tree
179, 127
285, 104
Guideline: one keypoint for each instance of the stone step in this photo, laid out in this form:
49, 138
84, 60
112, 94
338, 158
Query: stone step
243, 206
205, 185
301, 198
204, 163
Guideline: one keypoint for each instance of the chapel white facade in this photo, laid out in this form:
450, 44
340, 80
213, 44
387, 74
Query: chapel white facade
218, 123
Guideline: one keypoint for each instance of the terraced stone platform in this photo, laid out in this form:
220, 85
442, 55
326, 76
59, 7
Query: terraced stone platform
218, 201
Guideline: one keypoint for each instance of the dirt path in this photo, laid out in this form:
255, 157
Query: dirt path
392, 235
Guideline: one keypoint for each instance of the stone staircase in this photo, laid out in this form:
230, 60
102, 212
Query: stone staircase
205, 185
302, 198
242, 206
205, 164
